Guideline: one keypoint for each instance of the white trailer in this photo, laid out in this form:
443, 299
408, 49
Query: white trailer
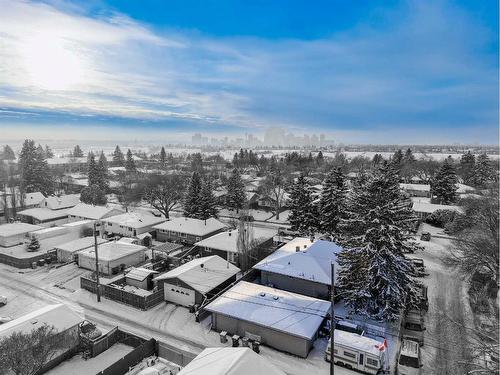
357, 352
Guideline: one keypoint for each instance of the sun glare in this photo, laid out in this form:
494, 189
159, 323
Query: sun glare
52, 64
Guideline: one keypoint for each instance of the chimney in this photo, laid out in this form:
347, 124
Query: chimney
297, 248
229, 234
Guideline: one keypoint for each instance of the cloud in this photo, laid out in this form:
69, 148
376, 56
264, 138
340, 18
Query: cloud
425, 65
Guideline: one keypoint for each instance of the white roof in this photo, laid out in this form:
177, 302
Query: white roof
77, 223
461, 188
60, 316
44, 213
356, 341
192, 226
421, 206
230, 361
409, 348
288, 312
203, 274
64, 201
80, 244
89, 211
139, 273
113, 250
312, 262
13, 229
227, 241
71, 160
418, 187
134, 220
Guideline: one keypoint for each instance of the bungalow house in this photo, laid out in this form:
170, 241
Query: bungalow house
28, 200
83, 211
131, 224
64, 321
301, 266
424, 208
192, 282
52, 211
224, 361
417, 190
225, 244
188, 230
16, 233
114, 256
283, 320
61, 202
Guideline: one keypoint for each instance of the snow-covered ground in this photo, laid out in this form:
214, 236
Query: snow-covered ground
92, 366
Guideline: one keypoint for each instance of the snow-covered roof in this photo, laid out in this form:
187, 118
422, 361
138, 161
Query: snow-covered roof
134, 220
357, 342
416, 187
33, 198
113, 250
60, 316
203, 274
78, 223
139, 273
230, 361
91, 212
79, 244
195, 227
43, 213
462, 189
303, 259
283, 311
13, 229
71, 160
63, 201
421, 206
167, 247
227, 241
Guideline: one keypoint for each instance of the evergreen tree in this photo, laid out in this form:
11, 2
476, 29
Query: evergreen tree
208, 202
102, 172
397, 160
320, 158
192, 200
375, 276
92, 172
77, 152
163, 157
332, 203
467, 168
93, 195
483, 172
34, 170
444, 183
118, 158
8, 153
48, 152
235, 191
130, 163
377, 159
303, 213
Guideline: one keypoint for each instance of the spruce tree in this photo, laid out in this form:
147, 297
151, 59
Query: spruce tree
208, 202
92, 172
374, 277
483, 172
130, 163
77, 152
192, 199
118, 158
8, 153
163, 157
444, 183
48, 152
34, 170
467, 168
303, 216
235, 191
332, 203
102, 172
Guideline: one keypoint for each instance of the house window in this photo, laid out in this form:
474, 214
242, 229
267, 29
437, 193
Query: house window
198, 239
371, 362
184, 235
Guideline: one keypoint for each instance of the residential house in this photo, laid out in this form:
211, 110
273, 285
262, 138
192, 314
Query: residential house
283, 320
131, 224
424, 208
192, 282
417, 190
16, 233
83, 211
188, 230
52, 211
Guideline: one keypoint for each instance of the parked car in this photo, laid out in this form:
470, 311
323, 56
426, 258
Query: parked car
422, 293
3, 301
419, 265
409, 358
5, 319
413, 326
247, 218
425, 236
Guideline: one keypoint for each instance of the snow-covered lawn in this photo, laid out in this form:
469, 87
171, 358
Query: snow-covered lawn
283, 217
80, 366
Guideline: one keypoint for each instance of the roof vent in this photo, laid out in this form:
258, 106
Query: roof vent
201, 265
276, 298
229, 234
305, 246
262, 294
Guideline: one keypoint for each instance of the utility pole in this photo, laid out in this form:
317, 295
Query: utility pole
98, 291
332, 319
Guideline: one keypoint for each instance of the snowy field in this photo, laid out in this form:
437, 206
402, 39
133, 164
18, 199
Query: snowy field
92, 366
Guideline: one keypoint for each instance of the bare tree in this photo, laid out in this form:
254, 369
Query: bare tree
274, 188
164, 192
26, 353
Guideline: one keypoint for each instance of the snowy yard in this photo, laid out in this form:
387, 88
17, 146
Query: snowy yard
80, 366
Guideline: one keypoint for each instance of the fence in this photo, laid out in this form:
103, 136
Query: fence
173, 354
122, 366
117, 294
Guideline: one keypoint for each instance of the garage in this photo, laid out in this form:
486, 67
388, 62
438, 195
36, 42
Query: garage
179, 295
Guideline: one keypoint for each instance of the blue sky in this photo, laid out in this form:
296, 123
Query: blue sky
362, 71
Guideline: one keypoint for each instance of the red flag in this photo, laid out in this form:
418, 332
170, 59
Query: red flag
383, 346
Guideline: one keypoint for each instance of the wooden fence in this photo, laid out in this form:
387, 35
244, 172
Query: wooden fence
122, 366
117, 294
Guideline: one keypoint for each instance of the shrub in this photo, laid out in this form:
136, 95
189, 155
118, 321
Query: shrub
440, 218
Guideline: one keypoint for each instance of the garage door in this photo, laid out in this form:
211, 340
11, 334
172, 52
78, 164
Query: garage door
179, 295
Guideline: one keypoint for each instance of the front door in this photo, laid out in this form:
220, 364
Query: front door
361, 362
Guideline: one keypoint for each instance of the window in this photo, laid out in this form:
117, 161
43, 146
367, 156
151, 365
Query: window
198, 239
408, 361
371, 362
184, 235
349, 354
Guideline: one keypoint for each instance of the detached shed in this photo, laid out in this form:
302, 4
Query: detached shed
191, 282
140, 278
67, 252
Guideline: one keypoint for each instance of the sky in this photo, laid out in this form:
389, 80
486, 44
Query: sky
407, 72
